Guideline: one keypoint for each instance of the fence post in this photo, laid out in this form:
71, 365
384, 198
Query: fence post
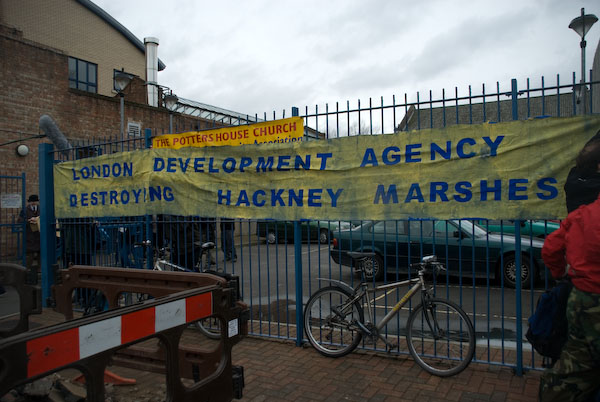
518, 287
298, 272
148, 218
47, 220
23, 251
148, 137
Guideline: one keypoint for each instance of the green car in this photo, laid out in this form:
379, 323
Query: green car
465, 248
532, 228
280, 231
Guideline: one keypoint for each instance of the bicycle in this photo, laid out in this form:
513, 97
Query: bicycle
211, 326
439, 334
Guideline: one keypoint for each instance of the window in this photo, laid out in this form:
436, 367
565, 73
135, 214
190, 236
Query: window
421, 228
389, 227
83, 75
443, 229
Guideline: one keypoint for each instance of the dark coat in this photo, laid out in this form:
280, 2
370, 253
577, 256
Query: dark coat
581, 189
79, 237
33, 238
227, 224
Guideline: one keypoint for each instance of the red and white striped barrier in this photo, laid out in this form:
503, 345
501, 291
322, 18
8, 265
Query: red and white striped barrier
49, 352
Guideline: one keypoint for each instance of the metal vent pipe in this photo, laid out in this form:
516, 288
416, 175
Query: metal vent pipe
152, 70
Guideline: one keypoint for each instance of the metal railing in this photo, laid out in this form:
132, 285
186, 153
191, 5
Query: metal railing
279, 263
13, 233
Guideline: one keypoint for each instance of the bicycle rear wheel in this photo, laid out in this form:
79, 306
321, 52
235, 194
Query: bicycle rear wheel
329, 322
440, 337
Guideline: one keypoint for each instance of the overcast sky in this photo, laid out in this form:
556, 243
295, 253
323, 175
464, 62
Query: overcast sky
260, 56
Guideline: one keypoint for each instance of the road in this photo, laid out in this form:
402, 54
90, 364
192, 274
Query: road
267, 272
268, 278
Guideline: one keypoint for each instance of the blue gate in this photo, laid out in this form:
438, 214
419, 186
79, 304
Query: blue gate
12, 227
497, 281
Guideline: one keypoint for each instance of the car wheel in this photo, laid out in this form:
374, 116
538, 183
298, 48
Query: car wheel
324, 236
509, 271
373, 268
271, 237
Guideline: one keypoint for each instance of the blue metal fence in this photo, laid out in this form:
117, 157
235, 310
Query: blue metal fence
13, 236
496, 278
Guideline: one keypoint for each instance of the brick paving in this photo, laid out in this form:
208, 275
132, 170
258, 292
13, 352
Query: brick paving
276, 370
280, 371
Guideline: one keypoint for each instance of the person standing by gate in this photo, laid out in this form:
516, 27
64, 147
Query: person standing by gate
186, 242
227, 239
31, 215
575, 375
208, 231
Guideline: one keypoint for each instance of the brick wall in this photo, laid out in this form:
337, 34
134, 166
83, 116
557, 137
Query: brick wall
35, 82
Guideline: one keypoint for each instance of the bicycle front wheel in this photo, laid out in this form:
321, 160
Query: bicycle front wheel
330, 322
210, 327
440, 337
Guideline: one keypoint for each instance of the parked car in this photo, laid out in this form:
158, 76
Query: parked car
464, 247
282, 231
534, 228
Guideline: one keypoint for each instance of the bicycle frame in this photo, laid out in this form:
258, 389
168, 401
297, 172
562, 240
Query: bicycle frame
362, 290
160, 265
335, 321
418, 284
162, 262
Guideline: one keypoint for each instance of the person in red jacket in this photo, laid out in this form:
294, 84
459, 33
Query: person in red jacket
574, 250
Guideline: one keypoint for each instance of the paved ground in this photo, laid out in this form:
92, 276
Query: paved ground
279, 371
276, 371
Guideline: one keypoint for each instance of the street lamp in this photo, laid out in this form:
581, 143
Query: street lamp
170, 100
582, 25
122, 79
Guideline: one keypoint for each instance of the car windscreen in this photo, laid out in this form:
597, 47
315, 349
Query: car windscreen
469, 227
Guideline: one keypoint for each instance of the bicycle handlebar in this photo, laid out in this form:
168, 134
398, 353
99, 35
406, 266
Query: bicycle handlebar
429, 261
204, 246
143, 243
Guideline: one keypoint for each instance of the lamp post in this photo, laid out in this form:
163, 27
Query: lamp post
170, 103
582, 25
122, 79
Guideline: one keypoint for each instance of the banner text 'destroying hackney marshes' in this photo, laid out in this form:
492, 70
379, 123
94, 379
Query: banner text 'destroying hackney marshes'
513, 170
277, 131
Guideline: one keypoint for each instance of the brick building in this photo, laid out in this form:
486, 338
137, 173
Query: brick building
59, 58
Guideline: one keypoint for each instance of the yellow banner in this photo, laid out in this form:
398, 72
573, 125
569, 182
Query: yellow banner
513, 170
277, 131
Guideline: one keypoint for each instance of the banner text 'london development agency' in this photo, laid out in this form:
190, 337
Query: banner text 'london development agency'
513, 170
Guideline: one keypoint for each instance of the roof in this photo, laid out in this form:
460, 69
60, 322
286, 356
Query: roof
202, 110
120, 28
228, 117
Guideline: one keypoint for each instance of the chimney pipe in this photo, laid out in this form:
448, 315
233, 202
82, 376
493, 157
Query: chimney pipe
152, 70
